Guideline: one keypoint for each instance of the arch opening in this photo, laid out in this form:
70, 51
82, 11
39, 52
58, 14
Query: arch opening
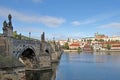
28, 53
28, 58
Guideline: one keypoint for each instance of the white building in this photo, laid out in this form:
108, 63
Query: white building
62, 42
114, 38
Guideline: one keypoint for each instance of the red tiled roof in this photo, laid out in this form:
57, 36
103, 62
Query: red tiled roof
108, 42
75, 44
115, 45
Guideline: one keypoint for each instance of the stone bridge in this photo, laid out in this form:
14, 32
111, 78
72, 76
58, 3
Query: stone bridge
25, 48
33, 53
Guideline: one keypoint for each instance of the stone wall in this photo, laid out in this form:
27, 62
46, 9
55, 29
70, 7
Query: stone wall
13, 74
4, 46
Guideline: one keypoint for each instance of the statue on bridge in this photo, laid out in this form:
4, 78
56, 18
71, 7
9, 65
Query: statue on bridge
10, 22
7, 27
43, 37
4, 24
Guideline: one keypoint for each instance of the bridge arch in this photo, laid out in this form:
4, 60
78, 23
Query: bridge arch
27, 56
28, 53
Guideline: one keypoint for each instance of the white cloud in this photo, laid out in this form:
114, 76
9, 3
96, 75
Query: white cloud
46, 20
76, 23
51, 21
97, 18
102, 17
110, 25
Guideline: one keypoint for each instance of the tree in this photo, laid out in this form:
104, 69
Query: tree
96, 39
66, 46
101, 40
91, 48
89, 40
108, 46
117, 41
79, 49
15, 35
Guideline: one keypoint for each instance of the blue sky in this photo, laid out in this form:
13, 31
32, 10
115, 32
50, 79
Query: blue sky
63, 18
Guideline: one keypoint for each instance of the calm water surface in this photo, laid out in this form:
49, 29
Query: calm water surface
89, 66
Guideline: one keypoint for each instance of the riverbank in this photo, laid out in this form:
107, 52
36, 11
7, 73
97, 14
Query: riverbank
92, 51
108, 51
70, 50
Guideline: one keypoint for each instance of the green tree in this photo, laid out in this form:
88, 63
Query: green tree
79, 49
96, 39
108, 46
89, 40
91, 48
15, 35
117, 41
66, 46
101, 40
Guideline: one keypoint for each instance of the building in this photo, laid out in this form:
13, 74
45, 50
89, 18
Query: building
87, 48
100, 36
74, 45
114, 38
115, 47
62, 42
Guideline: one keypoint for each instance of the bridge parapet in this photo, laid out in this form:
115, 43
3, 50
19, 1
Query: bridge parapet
21, 45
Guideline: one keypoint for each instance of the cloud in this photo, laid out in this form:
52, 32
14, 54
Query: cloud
51, 21
76, 23
110, 25
100, 17
97, 18
46, 20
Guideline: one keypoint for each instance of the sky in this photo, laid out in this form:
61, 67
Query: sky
62, 18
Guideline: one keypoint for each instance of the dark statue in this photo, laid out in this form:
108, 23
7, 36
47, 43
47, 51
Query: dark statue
4, 24
9, 18
43, 37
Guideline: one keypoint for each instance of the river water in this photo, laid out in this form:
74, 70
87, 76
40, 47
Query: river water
81, 66
89, 66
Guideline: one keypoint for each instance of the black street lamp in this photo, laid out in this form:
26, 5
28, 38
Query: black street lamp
29, 35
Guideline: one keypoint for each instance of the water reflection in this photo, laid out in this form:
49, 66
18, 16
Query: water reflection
42, 75
38, 75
